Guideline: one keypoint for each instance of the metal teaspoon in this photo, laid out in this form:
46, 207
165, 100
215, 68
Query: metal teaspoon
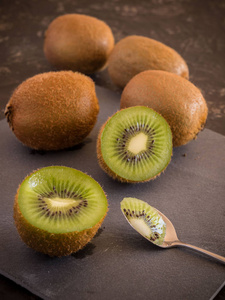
171, 240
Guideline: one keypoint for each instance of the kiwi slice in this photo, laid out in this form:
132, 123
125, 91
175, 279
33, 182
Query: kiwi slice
135, 144
58, 210
145, 219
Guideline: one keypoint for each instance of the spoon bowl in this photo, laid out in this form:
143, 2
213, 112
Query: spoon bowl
171, 235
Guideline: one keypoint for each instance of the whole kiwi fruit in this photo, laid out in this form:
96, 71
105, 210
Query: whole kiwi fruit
134, 145
78, 42
53, 110
135, 54
179, 101
58, 210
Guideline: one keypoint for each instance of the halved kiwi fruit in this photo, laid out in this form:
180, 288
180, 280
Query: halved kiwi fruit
145, 219
58, 210
134, 145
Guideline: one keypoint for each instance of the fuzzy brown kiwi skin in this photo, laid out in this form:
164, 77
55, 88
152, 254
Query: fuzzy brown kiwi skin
78, 42
48, 243
179, 101
53, 110
135, 54
105, 167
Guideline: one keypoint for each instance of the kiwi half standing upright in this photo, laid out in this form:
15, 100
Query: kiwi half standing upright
178, 100
58, 210
134, 145
135, 54
53, 110
78, 42
145, 219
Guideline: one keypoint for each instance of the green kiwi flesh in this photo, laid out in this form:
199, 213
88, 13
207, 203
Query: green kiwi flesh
145, 219
134, 145
58, 210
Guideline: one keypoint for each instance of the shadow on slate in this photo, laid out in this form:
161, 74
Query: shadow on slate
119, 263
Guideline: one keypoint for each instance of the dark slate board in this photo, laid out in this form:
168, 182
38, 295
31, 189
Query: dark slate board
119, 263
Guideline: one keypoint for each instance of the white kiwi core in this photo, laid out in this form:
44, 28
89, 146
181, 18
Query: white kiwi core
141, 227
61, 202
138, 143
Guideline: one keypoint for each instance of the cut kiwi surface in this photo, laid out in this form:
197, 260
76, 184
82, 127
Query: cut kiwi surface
145, 219
58, 210
135, 144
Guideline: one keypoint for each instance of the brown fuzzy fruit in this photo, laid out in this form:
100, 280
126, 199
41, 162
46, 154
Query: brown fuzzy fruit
79, 43
135, 54
54, 110
175, 98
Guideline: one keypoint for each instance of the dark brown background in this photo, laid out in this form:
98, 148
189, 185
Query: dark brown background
195, 28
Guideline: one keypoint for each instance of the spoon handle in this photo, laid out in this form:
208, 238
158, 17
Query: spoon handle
211, 254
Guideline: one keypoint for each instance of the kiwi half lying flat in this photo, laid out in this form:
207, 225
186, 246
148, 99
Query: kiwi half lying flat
145, 219
134, 145
58, 210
